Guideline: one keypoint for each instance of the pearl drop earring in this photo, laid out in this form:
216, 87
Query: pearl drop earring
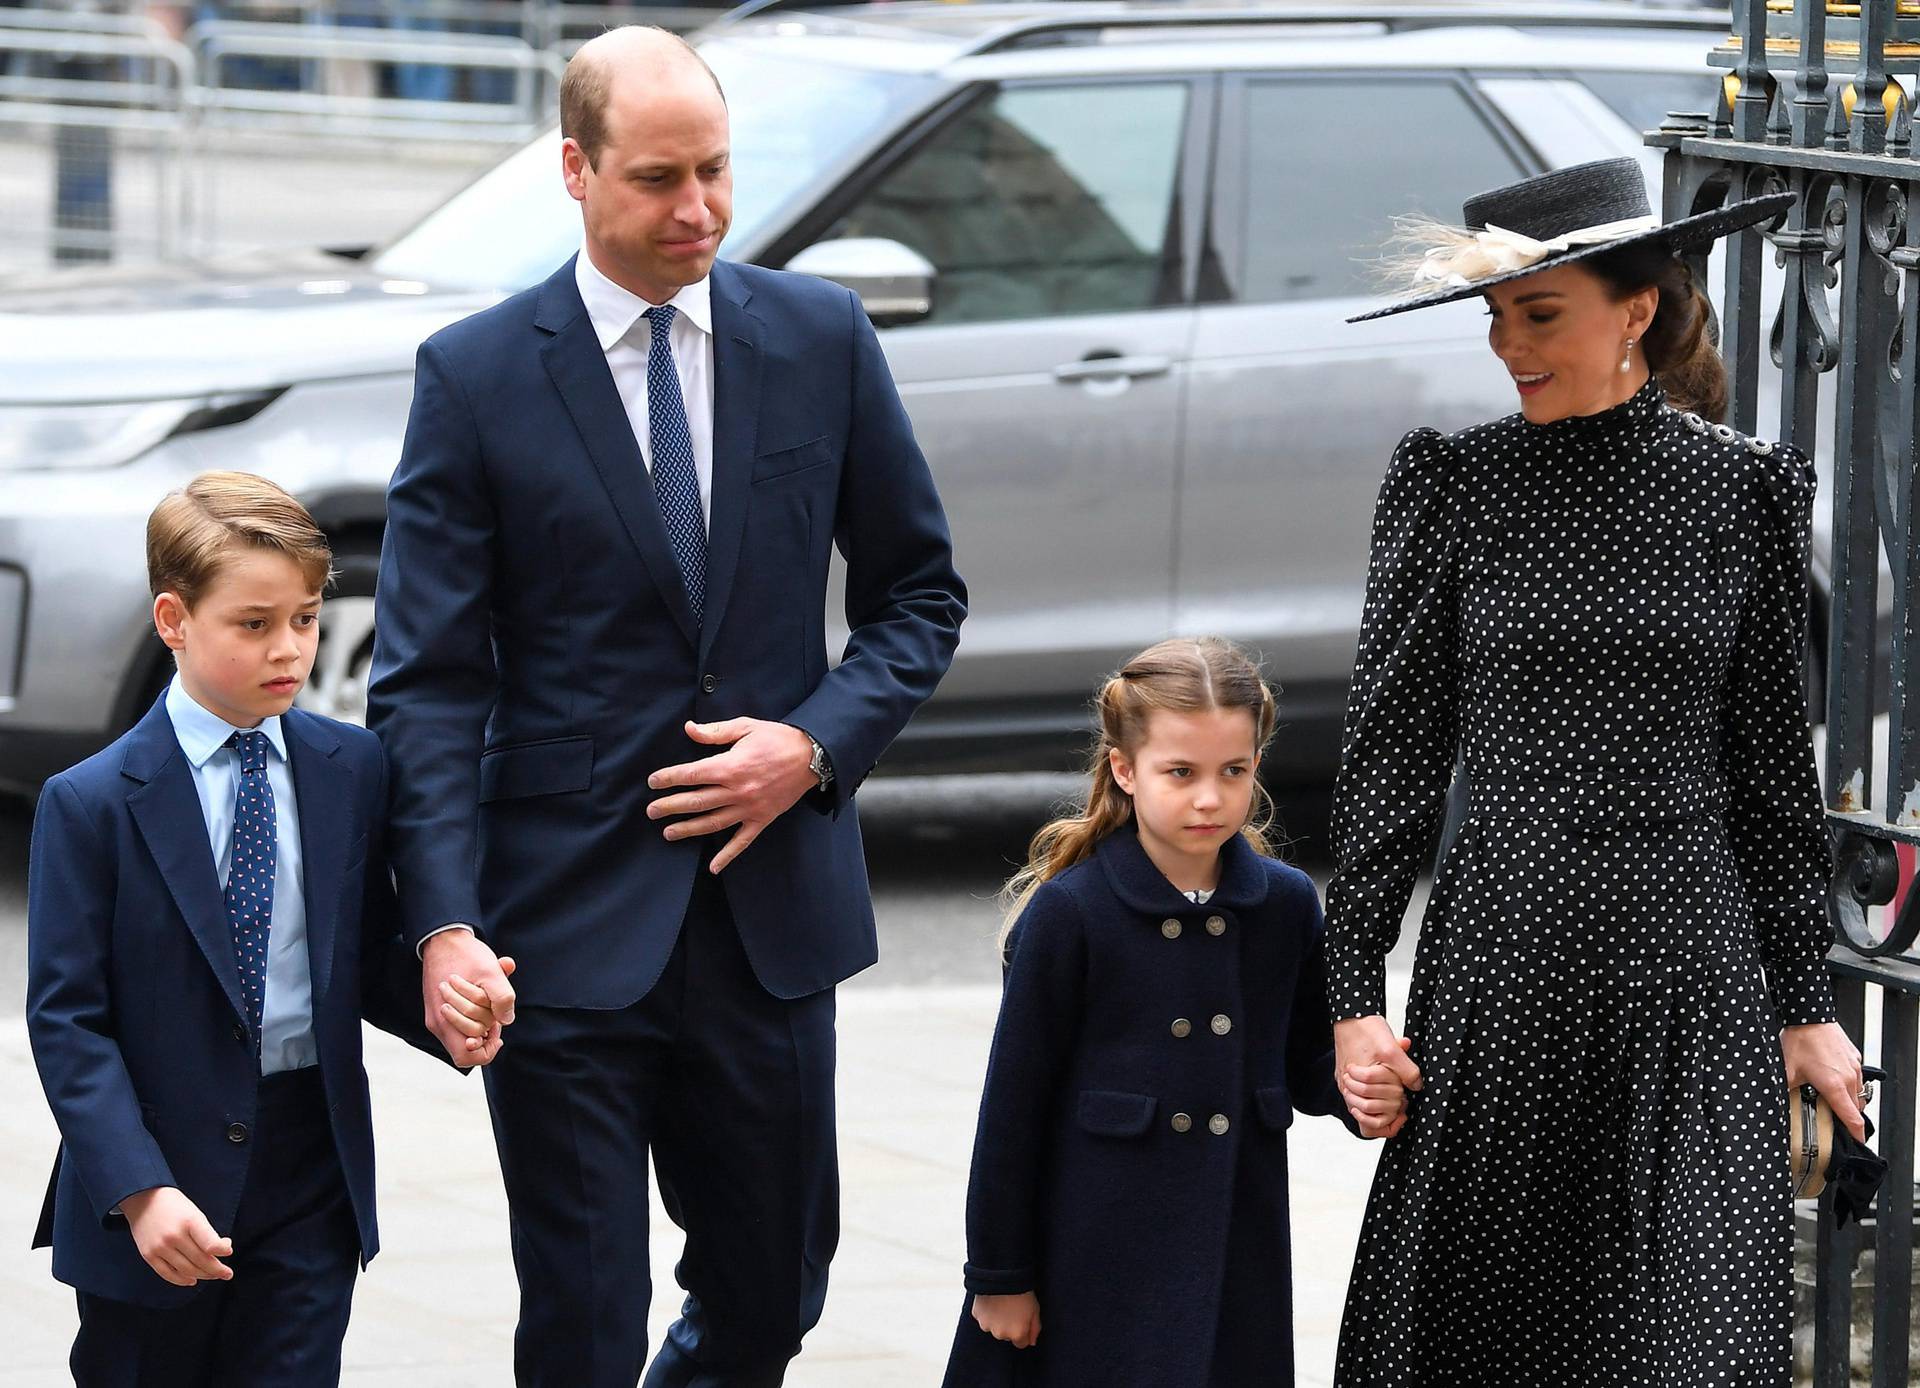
1626, 362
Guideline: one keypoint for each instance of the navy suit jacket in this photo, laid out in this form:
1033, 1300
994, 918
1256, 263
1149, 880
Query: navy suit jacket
134, 1006
537, 657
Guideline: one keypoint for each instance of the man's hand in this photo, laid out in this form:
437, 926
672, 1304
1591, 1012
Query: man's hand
1823, 1056
1015, 1319
762, 774
454, 967
175, 1238
1371, 1063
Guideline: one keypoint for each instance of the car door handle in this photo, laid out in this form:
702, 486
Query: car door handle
1112, 368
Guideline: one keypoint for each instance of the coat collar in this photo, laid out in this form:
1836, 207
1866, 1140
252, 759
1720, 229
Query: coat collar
577, 365
324, 786
1143, 887
166, 808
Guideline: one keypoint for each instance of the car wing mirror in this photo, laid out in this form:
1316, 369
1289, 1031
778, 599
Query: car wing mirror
894, 282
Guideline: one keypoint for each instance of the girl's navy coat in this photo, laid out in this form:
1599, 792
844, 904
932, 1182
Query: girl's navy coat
1131, 1162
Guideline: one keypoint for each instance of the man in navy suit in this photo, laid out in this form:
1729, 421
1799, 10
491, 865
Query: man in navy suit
209, 915
617, 748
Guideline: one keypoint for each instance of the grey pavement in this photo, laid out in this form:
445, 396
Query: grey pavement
437, 1308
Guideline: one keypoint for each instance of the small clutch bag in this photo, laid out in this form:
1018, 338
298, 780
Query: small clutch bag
1823, 1153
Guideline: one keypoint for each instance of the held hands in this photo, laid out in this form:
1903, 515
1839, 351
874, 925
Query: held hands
1821, 1055
760, 777
175, 1238
1374, 1073
1015, 1319
467, 998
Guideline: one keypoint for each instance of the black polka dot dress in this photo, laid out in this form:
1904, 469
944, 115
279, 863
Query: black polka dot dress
1603, 619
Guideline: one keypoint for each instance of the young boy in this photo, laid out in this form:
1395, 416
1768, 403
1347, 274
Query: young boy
207, 924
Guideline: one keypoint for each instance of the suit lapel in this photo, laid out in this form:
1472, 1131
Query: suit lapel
736, 413
578, 369
166, 808
325, 790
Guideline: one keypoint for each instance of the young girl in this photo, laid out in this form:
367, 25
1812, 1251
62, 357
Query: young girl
1164, 1015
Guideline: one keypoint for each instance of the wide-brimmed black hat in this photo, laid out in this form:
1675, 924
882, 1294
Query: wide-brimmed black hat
1563, 216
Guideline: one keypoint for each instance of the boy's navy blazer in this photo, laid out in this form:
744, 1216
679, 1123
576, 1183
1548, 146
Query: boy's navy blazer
133, 997
536, 655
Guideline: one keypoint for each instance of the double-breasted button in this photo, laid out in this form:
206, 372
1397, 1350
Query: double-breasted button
1217, 1125
709, 683
1221, 1024
1216, 925
1181, 1122
1181, 1026
236, 1132
1170, 928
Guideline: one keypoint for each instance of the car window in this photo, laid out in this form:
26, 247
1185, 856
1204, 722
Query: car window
1643, 99
792, 120
1319, 196
1040, 202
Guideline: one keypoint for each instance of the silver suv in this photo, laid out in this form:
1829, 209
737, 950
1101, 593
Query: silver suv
1111, 248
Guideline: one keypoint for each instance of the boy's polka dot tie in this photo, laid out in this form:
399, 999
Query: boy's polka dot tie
675, 482
250, 874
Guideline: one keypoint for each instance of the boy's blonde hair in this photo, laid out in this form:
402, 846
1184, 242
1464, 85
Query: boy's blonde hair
1187, 675
195, 531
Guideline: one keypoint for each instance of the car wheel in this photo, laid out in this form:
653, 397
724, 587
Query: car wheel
337, 687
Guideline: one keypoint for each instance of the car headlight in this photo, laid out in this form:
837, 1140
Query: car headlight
107, 434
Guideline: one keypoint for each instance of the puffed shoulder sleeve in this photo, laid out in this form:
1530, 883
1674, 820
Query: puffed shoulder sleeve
1775, 818
1402, 721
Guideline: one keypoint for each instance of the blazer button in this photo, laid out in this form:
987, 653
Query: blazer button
1222, 1024
1217, 1125
1170, 928
1181, 1026
236, 1132
709, 683
1216, 925
240, 1032
1181, 1123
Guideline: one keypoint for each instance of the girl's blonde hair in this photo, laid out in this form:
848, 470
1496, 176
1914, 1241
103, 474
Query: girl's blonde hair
1181, 676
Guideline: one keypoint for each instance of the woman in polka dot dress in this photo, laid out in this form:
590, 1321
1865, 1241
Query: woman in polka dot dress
1597, 605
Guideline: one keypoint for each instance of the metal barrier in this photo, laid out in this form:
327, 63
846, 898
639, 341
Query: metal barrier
533, 93
114, 117
1791, 118
109, 110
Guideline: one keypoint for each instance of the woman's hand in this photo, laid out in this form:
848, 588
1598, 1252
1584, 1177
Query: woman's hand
1822, 1055
1015, 1319
1374, 1072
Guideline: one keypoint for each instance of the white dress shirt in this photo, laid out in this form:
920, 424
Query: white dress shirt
286, 1025
626, 338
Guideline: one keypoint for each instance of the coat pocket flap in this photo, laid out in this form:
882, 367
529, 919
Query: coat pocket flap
1275, 1105
798, 458
1110, 1113
549, 767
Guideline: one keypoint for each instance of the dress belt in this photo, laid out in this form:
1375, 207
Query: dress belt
1597, 806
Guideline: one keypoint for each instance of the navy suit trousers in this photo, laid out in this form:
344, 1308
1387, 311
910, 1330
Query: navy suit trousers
731, 1091
296, 1252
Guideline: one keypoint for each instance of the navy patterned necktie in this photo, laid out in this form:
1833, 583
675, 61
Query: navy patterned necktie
250, 874
675, 482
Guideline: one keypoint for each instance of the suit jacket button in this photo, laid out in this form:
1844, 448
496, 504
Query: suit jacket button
709, 683
1217, 1125
1181, 1026
240, 1032
1216, 925
1181, 1123
1170, 928
236, 1132
1222, 1024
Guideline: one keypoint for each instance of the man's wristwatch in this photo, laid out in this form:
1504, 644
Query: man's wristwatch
820, 765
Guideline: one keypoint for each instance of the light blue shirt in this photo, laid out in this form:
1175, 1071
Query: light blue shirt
286, 1028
